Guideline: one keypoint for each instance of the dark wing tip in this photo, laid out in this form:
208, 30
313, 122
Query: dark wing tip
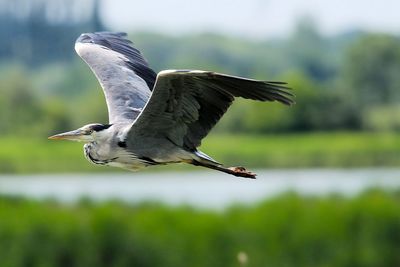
242, 87
257, 89
280, 92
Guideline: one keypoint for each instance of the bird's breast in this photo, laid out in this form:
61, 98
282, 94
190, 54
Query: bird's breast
92, 155
119, 157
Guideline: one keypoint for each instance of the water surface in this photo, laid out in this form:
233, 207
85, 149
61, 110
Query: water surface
200, 189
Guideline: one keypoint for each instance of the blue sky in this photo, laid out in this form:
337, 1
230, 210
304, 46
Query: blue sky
251, 18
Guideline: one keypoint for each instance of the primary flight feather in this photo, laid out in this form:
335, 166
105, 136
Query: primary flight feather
158, 118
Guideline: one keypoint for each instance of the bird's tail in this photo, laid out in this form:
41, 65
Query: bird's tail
206, 161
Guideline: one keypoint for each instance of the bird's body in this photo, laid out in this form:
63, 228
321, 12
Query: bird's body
158, 119
110, 149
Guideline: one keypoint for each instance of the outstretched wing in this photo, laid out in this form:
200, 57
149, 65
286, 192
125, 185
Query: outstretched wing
185, 105
122, 71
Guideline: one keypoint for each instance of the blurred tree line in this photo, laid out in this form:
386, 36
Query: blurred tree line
37, 32
289, 230
344, 82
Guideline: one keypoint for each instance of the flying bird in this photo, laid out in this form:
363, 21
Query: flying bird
158, 118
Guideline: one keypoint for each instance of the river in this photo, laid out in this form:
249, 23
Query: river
199, 189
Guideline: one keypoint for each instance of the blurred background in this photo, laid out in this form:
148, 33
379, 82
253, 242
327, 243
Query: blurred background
328, 190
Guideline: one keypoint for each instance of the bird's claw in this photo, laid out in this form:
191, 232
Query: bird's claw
242, 172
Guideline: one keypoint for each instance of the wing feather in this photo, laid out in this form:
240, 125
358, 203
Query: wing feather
185, 105
123, 73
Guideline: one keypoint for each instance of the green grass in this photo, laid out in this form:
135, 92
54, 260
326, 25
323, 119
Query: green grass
308, 150
19, 155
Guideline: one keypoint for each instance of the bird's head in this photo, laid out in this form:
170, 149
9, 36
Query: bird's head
87, 133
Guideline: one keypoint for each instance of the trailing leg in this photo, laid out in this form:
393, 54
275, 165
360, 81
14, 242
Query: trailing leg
236, 171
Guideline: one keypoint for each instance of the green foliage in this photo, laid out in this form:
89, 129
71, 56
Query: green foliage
371, 69
311, 52
383, 118
22, 112
15, 99
286, 231
370, 75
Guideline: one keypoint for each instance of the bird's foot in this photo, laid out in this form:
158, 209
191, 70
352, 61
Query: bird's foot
242, 172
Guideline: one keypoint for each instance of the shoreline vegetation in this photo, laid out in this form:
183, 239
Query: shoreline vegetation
302, 150
288, 230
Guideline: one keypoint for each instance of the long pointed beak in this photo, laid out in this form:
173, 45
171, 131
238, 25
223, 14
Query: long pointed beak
75, 135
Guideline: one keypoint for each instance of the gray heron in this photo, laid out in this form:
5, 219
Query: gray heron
158, 118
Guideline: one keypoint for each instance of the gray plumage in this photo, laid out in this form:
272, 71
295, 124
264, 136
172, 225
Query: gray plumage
158, 119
